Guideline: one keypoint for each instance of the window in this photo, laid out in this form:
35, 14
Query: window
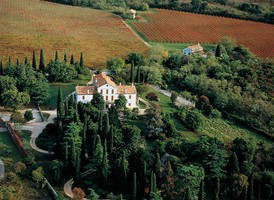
106, 91
112, 91
112, 98
129, 104
129, 97
83, 97
101, 91
106, 98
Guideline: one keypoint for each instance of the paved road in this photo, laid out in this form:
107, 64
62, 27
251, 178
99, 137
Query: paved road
180, 100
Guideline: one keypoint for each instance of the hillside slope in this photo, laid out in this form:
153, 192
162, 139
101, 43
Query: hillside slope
28, 25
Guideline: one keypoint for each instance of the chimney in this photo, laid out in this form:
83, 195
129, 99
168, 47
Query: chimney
120, 84
88, 91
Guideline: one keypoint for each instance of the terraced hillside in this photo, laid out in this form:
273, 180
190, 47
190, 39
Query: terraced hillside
182, 27
28, 25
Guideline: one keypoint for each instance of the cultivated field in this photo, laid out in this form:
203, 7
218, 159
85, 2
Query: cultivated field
28, 25
173, 26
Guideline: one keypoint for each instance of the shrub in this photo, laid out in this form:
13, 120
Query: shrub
16, 117
152, 96
214, 113
194, 119
28, 115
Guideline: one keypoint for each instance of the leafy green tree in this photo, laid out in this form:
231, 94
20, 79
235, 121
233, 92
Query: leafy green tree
42, 61
188, 176
97, 160
60, 71
220, 51
250, 193
120, 103
14, 99
154, 76
115, 64
93, 195
98, 101
233, 165
28, 115
38, 177
39, 91
194, 119
187, 194
173, 97
56, 167
34, 61
135, 58
239, 185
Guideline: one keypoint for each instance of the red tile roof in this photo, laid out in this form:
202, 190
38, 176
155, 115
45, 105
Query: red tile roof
102, 79
196, 48
126, 89
85, 90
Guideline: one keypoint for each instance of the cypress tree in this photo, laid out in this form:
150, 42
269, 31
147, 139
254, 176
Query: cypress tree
73, 155
111, 140
145, 178
17, 62
218, 51
154, 183
1, 68
42, 61
250, 193
81, 61
151, 182
106, 125
26, 61
100, 123
72, 60
138, 79
187, 194
60, 105
77, 167
65, 58
124, 165
201, 191
56, 55
66, 107
132, 73
34, 61
233, 165
66, 156
105, 164
158, 165
134, 187
217, 189
83, 147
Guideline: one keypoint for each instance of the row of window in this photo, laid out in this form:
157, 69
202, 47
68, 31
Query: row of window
112, 91
112, 98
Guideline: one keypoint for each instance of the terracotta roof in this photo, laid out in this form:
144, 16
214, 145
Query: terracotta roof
126, 89
85, 89
196, 47
102, 79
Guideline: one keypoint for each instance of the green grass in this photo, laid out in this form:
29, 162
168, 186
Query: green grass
9, 153
178, 47
67, 88
226, 131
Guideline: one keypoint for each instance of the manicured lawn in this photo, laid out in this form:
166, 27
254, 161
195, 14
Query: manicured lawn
178, 47
67, 88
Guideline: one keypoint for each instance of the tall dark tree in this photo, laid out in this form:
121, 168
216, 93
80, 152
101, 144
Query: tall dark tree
111, 140
105, 163
72, 62
217, 189
138, 77
42, 61
98, 101
250, 193
65, 58
34, 61
233, 165
157, 166
1, 68
187, 194
56, 56
17, 62
100, 123
132, 75
201, 193
106, 126
82, 61
134, 187
60, 104
124, 165
26, 61
66, 107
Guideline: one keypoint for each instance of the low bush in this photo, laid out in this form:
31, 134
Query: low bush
28, 115
152, 96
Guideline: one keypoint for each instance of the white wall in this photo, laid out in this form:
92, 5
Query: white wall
87, 98
106, 92
187, 51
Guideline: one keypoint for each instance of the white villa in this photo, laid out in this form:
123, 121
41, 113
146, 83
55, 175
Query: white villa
102, 84
193, 49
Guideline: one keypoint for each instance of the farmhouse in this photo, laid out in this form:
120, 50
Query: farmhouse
193, 49
102, 84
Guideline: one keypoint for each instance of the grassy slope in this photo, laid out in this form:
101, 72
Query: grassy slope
224, 130
29, 25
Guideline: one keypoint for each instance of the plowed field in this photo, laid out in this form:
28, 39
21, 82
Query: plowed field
28, 25
174, 26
